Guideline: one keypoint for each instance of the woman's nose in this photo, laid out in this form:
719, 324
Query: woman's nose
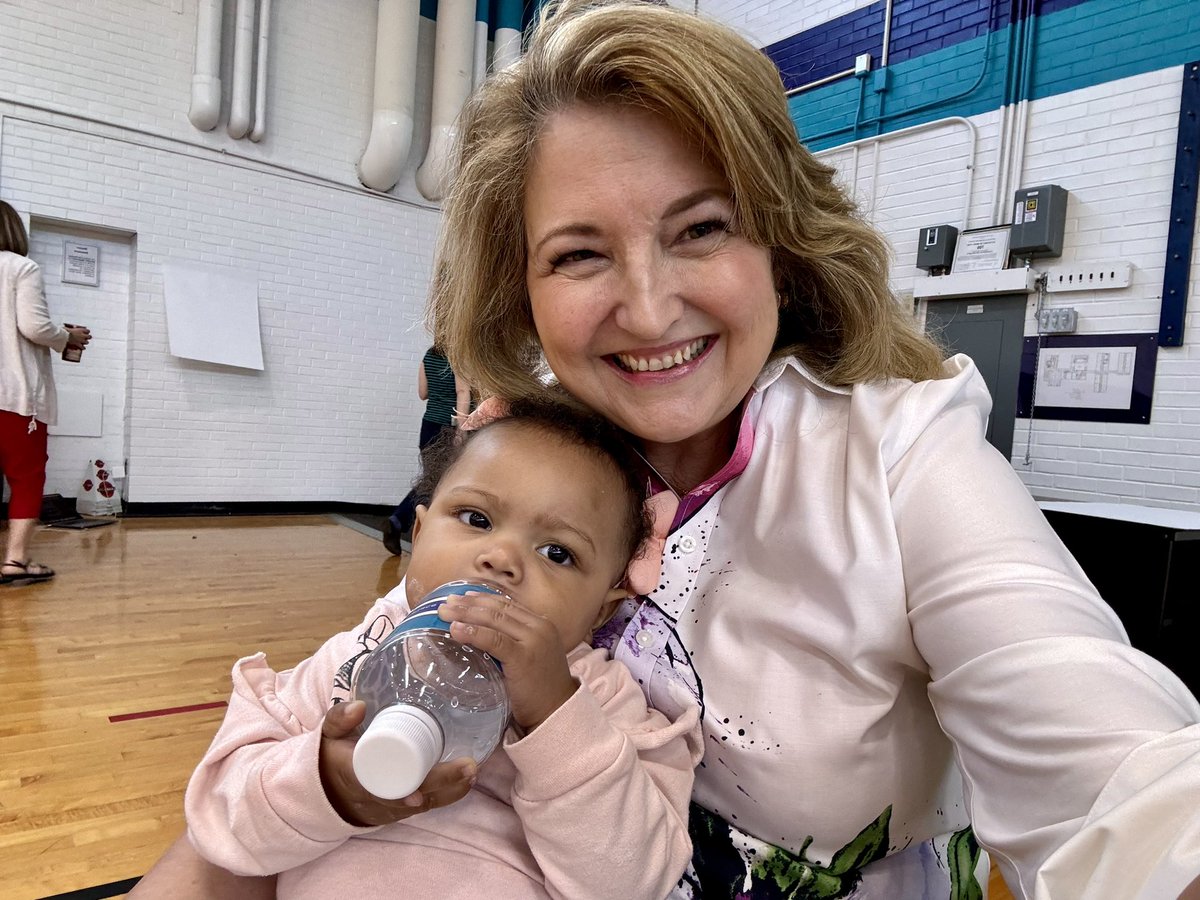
649, 301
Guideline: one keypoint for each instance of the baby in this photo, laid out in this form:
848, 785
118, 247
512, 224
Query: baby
587, 795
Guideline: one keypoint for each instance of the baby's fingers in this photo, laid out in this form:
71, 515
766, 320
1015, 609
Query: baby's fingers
446, 783
342, 719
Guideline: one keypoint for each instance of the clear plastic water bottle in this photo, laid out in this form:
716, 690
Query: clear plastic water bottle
429, 699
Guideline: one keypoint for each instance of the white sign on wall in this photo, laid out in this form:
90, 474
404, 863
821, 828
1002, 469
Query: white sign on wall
212, 314
81, 263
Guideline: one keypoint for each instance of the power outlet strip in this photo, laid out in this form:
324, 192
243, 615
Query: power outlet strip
1094, 276
1058, 320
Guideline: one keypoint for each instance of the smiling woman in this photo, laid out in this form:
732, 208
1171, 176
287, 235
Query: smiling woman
633, 210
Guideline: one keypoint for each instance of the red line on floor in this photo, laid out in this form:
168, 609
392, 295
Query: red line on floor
151, 713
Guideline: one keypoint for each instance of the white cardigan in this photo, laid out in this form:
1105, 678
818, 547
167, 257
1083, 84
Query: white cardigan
891, 643
26, 337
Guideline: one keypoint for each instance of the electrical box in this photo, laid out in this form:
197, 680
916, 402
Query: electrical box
1058, 320
935, 252
1039, 218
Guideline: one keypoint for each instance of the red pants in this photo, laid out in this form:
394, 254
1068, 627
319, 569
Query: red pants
23, 462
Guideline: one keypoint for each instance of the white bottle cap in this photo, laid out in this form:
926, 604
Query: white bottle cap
400, 746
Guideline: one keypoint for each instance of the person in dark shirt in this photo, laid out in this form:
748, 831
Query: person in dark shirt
447, 401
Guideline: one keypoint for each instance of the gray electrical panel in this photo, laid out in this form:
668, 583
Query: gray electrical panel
935, 252
1039, 217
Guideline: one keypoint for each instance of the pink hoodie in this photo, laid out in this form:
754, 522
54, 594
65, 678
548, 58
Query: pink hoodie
593, 804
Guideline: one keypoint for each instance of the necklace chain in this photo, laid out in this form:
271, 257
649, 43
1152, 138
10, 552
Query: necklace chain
661, 476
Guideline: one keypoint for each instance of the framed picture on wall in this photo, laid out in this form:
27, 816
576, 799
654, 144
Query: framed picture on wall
1088, 377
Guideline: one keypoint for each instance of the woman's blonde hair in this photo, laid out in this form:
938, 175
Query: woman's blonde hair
837, 313
12, 231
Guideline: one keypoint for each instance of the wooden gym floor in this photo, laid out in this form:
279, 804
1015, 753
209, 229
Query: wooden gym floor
114, 676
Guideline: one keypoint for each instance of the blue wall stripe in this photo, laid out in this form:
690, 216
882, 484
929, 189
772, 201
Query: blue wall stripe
1080, 43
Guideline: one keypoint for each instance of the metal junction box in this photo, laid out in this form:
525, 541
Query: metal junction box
1039, 217
935, 252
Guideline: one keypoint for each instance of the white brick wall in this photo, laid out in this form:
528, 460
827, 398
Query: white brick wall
1113, 148
343, 273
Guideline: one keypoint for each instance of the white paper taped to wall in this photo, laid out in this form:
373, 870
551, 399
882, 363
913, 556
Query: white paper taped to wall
212, 314
80, 414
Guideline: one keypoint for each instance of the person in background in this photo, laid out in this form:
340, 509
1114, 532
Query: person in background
447, 401
28, 401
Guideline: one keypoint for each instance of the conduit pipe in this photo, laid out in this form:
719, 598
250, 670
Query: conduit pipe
453, 63
243, 66
506, 48
205, 109
479, 68
395, 91
260, 74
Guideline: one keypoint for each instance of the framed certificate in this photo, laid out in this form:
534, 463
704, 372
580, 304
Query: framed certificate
982, 250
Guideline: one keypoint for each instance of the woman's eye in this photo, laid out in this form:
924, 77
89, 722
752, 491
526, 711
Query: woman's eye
557, 554
474, 519
704, 229
574, 256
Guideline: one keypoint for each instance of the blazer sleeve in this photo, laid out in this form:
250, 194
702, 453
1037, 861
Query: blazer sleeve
603, 788
1080, 755
255, 804
33, 314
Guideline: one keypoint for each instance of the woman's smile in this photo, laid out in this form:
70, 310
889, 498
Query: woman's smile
659, 361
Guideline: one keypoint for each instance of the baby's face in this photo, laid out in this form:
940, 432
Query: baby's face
540, 519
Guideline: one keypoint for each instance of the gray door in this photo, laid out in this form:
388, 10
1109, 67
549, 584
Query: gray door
991, 331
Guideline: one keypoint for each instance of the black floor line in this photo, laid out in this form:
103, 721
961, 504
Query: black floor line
99, 892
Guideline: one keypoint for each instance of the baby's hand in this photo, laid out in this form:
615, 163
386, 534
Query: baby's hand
527, 645
445, 783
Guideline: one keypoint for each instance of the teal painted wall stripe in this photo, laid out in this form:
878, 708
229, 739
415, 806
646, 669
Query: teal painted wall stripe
1077, 47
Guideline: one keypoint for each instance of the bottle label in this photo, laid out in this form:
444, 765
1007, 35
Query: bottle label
424, 614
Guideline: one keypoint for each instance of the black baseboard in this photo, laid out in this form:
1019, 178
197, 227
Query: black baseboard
238, 508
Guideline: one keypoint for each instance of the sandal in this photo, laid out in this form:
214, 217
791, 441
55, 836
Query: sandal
30, 573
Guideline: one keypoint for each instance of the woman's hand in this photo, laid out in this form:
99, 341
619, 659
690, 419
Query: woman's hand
79, 335
527, 645
445, 783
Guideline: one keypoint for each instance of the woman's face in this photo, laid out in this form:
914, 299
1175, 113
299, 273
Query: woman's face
649, 306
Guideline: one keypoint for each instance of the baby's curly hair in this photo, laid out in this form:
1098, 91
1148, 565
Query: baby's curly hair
567, 424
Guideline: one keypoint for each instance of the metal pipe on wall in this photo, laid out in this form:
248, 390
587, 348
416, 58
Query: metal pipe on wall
395, 90
243, 74
205, 109
453, 65
260, 75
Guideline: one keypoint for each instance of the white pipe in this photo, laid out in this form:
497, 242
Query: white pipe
453, 64
260, 76
205, 110
972, 136
507, 48
1000, 180
243, 65
395, 91
479, 69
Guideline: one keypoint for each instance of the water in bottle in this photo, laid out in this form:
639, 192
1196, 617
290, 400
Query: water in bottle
429, 699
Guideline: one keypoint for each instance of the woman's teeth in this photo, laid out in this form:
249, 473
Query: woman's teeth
666, 361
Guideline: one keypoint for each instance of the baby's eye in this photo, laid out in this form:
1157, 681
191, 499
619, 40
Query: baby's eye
474, 518
557, 554
704, 229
